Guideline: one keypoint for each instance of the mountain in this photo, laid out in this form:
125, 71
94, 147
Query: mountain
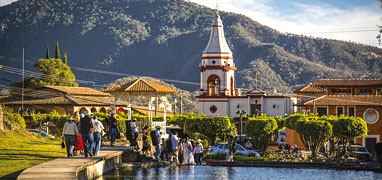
164, 39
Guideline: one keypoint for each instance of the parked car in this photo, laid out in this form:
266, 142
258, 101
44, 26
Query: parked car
223, 148
43, 133
361, 153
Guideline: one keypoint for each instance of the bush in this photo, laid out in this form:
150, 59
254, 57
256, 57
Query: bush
247, 158
14, 119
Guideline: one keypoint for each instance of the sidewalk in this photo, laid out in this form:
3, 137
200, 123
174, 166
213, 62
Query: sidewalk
68, 168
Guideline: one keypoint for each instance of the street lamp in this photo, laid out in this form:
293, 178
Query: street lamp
241, 113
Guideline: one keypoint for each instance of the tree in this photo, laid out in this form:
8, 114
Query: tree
260, 130
347, 129
209, 127
47, 53
55, 73
65, 59
57, 52
315, 133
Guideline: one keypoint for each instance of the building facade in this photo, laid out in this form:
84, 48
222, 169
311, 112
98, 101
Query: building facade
350, 97
218, 95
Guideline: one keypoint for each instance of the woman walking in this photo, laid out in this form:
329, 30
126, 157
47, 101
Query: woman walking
188, 158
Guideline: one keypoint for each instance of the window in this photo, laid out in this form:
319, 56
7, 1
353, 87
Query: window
213, 83
340, 110
371, 115
322, 111
213, 109
351, 111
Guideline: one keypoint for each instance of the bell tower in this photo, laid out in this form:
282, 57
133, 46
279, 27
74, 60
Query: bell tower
217, 69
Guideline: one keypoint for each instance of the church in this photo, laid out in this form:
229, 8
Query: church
218, 95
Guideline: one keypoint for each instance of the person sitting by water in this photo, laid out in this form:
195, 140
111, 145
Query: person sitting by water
248, 145
198, 152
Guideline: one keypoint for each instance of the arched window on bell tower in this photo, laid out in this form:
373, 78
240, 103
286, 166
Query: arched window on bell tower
213, 84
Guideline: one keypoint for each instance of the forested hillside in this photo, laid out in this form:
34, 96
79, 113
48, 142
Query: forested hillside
165, 38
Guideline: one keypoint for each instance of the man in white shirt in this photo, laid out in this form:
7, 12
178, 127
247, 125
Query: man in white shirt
69, 135
97, 133
175, 148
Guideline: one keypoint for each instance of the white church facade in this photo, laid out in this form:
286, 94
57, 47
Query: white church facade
218, 95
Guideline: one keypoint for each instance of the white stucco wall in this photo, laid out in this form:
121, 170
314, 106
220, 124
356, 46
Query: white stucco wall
204, 107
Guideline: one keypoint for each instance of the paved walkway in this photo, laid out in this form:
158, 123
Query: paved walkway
66, 168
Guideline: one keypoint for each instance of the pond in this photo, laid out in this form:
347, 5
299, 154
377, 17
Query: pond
246, 173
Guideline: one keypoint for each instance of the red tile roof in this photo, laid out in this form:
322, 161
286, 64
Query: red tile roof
348, 82
309, 89
346, 100
76, 90
60, 95
140, 85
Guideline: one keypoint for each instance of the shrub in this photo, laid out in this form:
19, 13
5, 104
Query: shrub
15, 119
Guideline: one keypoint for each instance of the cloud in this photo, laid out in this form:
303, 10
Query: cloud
317, 20
6, 2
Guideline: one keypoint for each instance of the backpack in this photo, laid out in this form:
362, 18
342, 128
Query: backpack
154, 138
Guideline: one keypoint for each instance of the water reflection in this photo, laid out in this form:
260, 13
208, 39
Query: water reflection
246, 173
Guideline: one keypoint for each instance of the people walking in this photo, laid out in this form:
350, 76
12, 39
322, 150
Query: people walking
156, 142
188, 158
112, 125
198, 152
69, 135
86, 127
97, 133
174, 148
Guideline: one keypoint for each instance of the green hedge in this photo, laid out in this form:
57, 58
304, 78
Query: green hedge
14, 119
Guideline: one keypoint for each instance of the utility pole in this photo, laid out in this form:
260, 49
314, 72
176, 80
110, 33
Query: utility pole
256, 80
22, 88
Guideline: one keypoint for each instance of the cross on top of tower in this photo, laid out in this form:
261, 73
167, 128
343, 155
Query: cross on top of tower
217, 7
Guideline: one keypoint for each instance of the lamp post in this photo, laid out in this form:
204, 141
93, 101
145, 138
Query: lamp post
241, 113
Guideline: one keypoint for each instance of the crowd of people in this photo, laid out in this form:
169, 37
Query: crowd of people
85, 135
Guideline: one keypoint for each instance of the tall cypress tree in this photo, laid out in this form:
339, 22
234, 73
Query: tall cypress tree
47, 52
57, 52
65, 59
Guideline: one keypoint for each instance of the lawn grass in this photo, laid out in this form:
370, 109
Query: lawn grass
22, 149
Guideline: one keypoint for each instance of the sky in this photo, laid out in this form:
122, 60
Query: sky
348, 20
